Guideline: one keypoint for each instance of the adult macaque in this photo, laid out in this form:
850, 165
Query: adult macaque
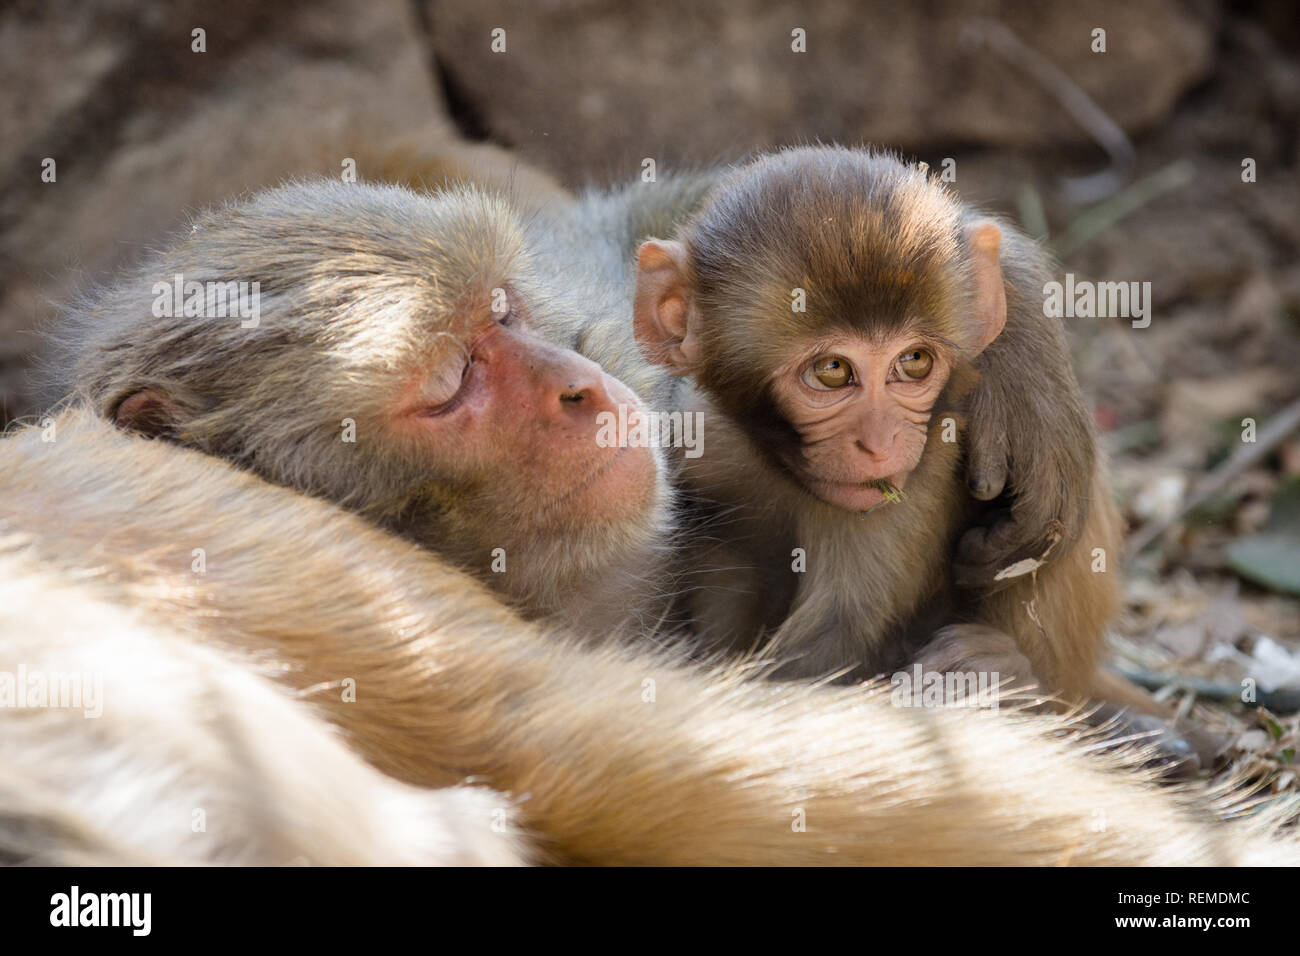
607, 755
828, 306
385, 361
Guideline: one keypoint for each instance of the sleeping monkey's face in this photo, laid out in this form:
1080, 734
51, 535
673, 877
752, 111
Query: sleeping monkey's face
861, 410
394, 368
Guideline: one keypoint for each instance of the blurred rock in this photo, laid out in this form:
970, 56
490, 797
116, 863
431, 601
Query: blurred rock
1201, 415
1160, 498
1253, 740
144, 130
1196, 242
589, 88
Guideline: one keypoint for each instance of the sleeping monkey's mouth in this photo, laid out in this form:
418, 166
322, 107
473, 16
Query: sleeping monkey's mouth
595, 475
627, 476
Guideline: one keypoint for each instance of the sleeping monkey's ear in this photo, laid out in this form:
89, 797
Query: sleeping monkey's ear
664, 316
990, 291
149, 411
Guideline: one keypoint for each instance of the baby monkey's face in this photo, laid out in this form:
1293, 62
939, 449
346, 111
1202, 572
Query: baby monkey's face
861, 407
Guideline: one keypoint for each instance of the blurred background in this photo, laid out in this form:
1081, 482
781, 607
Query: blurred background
1127, 161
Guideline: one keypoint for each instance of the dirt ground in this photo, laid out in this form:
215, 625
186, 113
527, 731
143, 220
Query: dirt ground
1213, 562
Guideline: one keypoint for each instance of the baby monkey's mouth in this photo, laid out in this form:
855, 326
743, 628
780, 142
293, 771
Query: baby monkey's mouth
891, 491
861, 496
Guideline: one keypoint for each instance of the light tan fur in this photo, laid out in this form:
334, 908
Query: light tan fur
177, 752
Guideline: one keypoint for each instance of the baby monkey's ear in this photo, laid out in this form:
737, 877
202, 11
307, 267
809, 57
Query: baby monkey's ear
990, 293
664, 315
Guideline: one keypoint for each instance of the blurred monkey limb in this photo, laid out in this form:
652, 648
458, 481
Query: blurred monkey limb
609, 754
178, 753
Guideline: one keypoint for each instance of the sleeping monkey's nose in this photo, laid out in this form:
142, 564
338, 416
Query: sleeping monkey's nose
556, 381
576, 388
576, 393
580, 387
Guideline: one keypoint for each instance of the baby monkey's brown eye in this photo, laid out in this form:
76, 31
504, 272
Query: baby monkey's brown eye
829, 371
915, 364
